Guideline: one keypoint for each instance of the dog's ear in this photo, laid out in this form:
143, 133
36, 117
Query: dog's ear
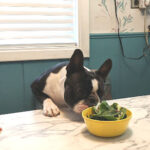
105, 69
76, 62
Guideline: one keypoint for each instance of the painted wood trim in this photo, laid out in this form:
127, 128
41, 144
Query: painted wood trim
115, 35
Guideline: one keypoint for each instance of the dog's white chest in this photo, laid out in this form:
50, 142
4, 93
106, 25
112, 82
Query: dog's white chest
55, 86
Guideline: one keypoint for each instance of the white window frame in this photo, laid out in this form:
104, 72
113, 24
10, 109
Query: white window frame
47, 52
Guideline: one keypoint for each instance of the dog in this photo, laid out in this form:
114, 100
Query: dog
71, 84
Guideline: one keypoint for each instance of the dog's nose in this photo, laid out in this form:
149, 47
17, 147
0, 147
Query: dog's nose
92, 101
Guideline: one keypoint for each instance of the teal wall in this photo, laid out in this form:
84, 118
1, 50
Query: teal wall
128, 77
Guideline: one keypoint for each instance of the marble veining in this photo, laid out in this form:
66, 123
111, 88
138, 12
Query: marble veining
33, 130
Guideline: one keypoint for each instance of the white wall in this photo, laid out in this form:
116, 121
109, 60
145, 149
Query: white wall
102, 17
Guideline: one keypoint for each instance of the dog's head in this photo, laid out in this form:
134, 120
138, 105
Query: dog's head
84, 87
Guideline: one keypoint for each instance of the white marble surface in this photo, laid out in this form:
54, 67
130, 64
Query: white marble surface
33, 131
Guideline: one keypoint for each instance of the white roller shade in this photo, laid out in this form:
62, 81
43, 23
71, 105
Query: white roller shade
38, 22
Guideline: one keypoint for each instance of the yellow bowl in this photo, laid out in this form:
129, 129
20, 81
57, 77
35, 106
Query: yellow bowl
105, 128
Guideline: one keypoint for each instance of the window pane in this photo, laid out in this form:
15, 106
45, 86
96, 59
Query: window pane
39, 21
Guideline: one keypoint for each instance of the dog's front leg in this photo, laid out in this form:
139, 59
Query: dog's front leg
49, 108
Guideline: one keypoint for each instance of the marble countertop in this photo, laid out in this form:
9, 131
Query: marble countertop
33, 131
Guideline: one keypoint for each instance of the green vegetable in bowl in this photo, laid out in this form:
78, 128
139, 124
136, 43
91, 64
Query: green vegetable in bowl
108, 112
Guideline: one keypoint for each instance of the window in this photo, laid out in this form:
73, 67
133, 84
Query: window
43, 29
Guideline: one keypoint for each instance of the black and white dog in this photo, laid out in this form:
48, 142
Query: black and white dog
71, 84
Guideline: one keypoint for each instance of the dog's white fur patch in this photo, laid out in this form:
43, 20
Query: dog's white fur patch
94, 82
54, 87
49, 108
95, 85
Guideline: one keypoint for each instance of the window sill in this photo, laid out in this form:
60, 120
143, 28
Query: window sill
39, 53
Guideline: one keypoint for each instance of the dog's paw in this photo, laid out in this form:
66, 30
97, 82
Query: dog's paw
50, 109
